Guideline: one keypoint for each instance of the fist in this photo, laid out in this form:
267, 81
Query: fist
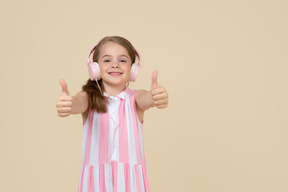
159, 93
64, 102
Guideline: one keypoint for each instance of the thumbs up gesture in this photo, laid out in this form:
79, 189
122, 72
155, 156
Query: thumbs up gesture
159, 93
64, 103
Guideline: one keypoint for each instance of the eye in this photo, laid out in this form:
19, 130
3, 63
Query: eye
122, 61
107, 60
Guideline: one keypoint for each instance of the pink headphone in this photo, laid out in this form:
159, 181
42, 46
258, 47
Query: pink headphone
94, 70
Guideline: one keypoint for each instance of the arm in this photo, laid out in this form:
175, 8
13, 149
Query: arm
144, 99
79, 103
158, 96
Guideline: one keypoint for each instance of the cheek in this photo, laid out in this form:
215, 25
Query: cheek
103, 70
103, 67
127, 68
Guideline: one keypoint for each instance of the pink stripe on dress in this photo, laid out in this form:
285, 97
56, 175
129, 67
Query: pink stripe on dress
123, 135
88, 138
137, 178
145, 178
127, 177
91, 179
115, 174
102, 184
103, 137
82, 179
128, 91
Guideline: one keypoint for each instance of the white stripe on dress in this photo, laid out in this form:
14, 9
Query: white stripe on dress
94, 141
96, 178
108, 177
141, 178
121, 178
85, 128
141, 139
130, 131
85, 182
114, 123
132, 178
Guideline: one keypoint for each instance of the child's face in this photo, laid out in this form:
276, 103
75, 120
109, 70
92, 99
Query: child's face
115, 64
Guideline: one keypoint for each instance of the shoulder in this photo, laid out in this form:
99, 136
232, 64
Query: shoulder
82, 97
82, 94
139, 92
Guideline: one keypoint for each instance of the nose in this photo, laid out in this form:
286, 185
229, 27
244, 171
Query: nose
115, 65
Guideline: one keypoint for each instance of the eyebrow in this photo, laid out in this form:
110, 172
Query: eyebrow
111, 56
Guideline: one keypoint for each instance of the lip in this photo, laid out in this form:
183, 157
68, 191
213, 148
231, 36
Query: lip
115, 73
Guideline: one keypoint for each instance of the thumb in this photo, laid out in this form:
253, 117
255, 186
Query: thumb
154, 79
64, 87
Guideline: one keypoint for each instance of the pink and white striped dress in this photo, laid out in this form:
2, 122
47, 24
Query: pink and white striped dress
112, 154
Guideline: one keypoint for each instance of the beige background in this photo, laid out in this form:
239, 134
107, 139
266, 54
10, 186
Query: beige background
224, 64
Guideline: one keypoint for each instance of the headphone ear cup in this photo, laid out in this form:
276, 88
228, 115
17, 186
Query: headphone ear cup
134, 71
94, 71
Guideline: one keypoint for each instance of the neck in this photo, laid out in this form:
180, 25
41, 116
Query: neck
113, 90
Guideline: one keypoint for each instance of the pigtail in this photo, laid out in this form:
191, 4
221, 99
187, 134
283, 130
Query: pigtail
96, 99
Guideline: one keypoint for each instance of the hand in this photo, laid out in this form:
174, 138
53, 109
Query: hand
159, 93
64, 103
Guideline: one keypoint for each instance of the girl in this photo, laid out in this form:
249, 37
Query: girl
112, 154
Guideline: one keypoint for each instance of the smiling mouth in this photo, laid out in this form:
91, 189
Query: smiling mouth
115, 73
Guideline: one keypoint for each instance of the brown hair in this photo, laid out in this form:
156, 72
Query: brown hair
96, 99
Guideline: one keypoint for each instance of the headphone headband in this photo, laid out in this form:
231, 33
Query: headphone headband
88, 59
